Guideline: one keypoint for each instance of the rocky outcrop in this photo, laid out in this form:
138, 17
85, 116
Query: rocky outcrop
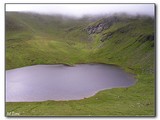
144, 38
106, 36
95, 29
102, 25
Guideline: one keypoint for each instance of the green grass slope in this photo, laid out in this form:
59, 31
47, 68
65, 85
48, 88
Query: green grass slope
43, 40
130, 44
125, 41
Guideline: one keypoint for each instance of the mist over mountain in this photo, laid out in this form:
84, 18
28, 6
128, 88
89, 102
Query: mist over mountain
80, 10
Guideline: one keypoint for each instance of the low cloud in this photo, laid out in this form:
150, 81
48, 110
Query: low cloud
80, 10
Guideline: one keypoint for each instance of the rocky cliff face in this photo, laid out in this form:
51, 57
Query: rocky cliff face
95, 29
104, 24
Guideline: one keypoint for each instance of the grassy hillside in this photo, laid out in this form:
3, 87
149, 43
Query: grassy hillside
126, 41
43, 40
127, 44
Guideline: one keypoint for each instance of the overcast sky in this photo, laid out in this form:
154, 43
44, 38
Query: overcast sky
79, 10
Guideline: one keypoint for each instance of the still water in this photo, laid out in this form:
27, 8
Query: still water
61, 82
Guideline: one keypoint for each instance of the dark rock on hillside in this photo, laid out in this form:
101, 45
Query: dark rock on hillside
95, 29
106, 36
144, 38
102, 25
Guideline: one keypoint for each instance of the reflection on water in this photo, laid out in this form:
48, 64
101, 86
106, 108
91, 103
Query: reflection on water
60, 82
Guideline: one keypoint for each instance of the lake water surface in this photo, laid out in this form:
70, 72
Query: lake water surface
61, 82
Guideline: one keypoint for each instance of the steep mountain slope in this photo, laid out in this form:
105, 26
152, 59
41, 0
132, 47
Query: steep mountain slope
126, 41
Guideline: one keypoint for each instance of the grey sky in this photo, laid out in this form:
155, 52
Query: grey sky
79, 10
